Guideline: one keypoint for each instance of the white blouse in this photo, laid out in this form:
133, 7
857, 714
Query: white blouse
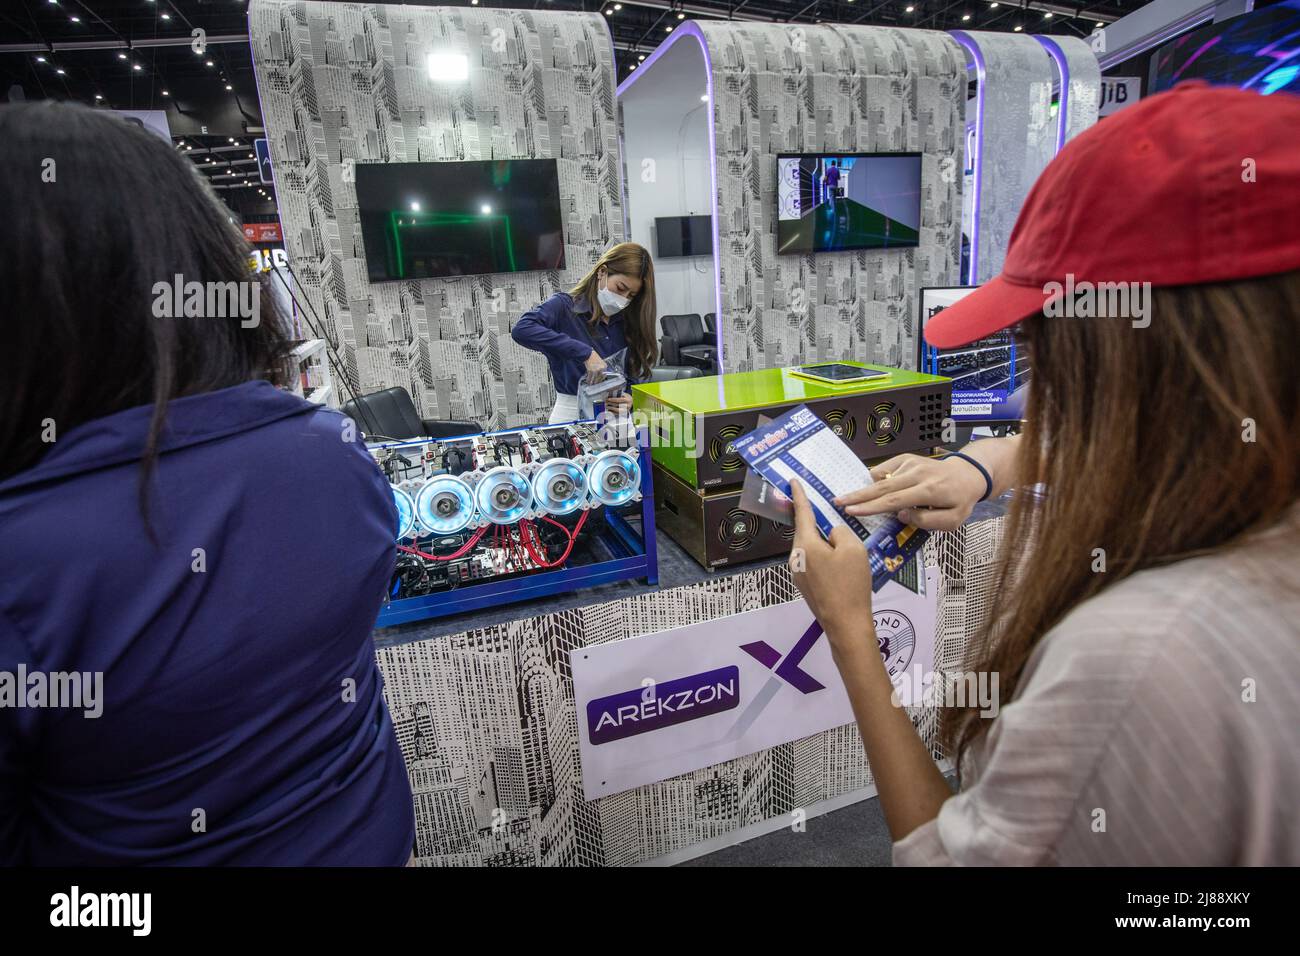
1157, 724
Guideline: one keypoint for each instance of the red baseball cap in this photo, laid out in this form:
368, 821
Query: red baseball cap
1199, 184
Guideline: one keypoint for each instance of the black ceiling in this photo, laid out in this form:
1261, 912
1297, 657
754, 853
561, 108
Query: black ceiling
136, 54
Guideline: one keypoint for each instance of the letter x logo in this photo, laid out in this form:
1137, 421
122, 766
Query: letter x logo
788, 669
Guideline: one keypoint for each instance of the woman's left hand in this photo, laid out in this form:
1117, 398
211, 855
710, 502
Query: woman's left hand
833, 576
619, 404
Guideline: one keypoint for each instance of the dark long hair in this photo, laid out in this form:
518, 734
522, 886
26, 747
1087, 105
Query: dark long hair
95, 211
628, 259
1154, 444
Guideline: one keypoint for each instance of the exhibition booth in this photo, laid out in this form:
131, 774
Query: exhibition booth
811, 196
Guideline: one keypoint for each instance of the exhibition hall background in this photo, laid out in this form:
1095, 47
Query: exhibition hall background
486, 716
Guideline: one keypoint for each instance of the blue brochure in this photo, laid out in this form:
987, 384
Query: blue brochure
799, 445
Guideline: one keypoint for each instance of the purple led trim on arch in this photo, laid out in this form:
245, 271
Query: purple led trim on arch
1063, 108
973, 48
691, 28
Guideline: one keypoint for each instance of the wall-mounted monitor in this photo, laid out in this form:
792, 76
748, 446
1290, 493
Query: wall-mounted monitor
436, 220
679, 236
835, 202
989, 377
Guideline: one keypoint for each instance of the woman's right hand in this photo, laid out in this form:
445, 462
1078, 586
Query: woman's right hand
937, 495
595, 368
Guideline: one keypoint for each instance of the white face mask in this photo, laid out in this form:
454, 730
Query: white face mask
611, 301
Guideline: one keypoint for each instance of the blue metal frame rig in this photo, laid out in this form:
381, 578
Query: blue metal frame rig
636, 557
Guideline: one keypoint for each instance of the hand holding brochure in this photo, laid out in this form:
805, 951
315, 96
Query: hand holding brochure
799, 445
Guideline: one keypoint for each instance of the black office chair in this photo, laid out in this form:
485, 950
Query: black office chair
711, 325
671, 373
391, 414
684, 342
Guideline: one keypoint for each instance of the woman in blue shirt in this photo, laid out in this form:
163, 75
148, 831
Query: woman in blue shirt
194, 555
612, 308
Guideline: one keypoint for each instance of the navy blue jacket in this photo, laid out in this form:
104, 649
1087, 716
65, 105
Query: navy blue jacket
228, 733
560, 329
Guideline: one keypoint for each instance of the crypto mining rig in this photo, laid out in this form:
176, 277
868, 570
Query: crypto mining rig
515, 515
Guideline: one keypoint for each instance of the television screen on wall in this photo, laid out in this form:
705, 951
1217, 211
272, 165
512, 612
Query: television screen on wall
435, 220
677, 236
834, 202
989, 376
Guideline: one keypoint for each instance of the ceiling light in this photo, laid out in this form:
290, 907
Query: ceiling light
485, 209
704, 98
640, 58
965, 17
166, 16
1047, 15
609, 12
682, 16
415, 206
165, 93
994, 3
209, 63
75, 19
668, 29
40, 59
121, 56
1018, 29
632, 67
618, 6
1100, 23
59, 71
909, 9
189, 149
230, 139
137, 67
229, 87
98, 96
447, 67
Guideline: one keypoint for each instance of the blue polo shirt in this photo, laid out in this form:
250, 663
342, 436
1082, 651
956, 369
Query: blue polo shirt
560, 329
242, 718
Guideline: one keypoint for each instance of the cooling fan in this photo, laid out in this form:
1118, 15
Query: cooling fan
559, 486
784, 530
722, 451
841, 423
738, 530
444, 505
405, 513
886, 423
503, 495
614, 478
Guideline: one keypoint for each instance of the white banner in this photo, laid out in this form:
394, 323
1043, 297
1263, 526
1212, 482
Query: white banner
656, 706
1118, 92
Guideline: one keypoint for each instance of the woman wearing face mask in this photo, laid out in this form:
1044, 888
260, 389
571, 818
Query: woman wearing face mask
611, 309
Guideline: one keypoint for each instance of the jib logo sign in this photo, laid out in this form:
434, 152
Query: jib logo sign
1118, 92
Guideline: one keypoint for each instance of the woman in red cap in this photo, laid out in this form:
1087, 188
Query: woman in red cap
1143, 632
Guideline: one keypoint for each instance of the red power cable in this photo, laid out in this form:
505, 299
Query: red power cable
528, 531
474, 539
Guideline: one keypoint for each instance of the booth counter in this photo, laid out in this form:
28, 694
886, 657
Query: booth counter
485, 712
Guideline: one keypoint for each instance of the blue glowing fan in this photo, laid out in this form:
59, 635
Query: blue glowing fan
503, 495
614, 478
559, 487
405, 513
444, 505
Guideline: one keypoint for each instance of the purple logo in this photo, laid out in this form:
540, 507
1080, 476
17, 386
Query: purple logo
654, 707
788, 669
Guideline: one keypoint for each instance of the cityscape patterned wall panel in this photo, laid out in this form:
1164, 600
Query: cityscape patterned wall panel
488, 726
781, 88
344, 83
1018, 137
1085, 84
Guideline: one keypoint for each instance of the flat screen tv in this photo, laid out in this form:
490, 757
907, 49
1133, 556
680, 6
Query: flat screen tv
834, 202
989, 376
435, 220
678, 236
